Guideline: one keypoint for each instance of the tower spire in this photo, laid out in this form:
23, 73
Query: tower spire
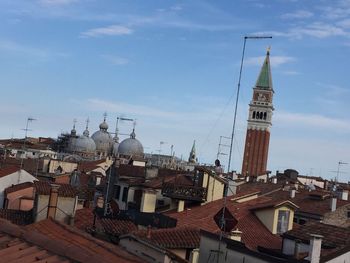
116, 138
73, 132
264, 80
192, 158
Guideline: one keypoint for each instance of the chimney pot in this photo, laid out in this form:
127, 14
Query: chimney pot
149, 232
292, 193
236, 235
333, 203
315, 248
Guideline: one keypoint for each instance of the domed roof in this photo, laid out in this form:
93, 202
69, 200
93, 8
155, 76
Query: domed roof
102, 138
131, 146
104, 125
103, 141
84, 144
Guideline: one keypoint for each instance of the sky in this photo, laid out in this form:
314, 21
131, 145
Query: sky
173, 66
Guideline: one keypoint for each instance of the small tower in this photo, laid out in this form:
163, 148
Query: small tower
259, 123
192, 158
86, 132
73, 132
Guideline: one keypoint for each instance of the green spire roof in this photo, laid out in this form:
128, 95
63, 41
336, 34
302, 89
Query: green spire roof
265, 80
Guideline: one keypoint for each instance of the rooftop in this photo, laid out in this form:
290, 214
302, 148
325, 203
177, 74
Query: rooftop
203, 217
65, 190
334, 239
76, 245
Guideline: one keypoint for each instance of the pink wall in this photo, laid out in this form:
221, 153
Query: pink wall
21, 199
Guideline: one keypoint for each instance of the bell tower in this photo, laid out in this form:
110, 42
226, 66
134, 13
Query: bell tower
259, 123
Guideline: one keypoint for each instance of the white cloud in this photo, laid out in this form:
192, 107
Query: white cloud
113, 30
316, 29
312, 121
300, 14
290, 72
38, 53
275, 60
115, 60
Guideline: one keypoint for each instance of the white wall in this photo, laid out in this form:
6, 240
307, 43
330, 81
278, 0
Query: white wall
65, 207
345, 258
12, 179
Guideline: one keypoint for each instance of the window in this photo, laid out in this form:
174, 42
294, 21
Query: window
254, 114
348, 213
125, 194
116, 192
264, 115
283, 221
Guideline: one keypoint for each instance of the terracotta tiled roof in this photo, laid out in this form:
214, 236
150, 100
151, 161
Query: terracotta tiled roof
172, 238
89, 166
18, 245
157, 182
334, 238
84, 219
126, 170
117, 227
18, 187
307, 203
8, 170
80, 246
17, 217
263, 188
29, 165
65, 190
203, 217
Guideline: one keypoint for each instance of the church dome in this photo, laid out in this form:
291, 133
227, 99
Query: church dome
131, 146
84, 144
103, 140
104, 126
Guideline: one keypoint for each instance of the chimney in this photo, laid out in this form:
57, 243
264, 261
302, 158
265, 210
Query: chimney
315, 248
232, 188
297, 248
149, 232
148, 201
292, 193
333, 203
53, 199
236, 235
274, 180
181, 206
344, 195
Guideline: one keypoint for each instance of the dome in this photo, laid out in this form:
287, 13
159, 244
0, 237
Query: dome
131, 146
84, 144
103, 141
104, 126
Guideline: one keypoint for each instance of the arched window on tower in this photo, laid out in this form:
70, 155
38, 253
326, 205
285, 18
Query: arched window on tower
254, 114
261, 115
265, 115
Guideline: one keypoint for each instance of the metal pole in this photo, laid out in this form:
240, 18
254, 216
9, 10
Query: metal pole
237, 95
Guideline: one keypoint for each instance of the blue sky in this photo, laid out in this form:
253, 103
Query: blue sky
173, 65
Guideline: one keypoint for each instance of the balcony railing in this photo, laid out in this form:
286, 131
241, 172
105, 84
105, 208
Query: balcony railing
184, 192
